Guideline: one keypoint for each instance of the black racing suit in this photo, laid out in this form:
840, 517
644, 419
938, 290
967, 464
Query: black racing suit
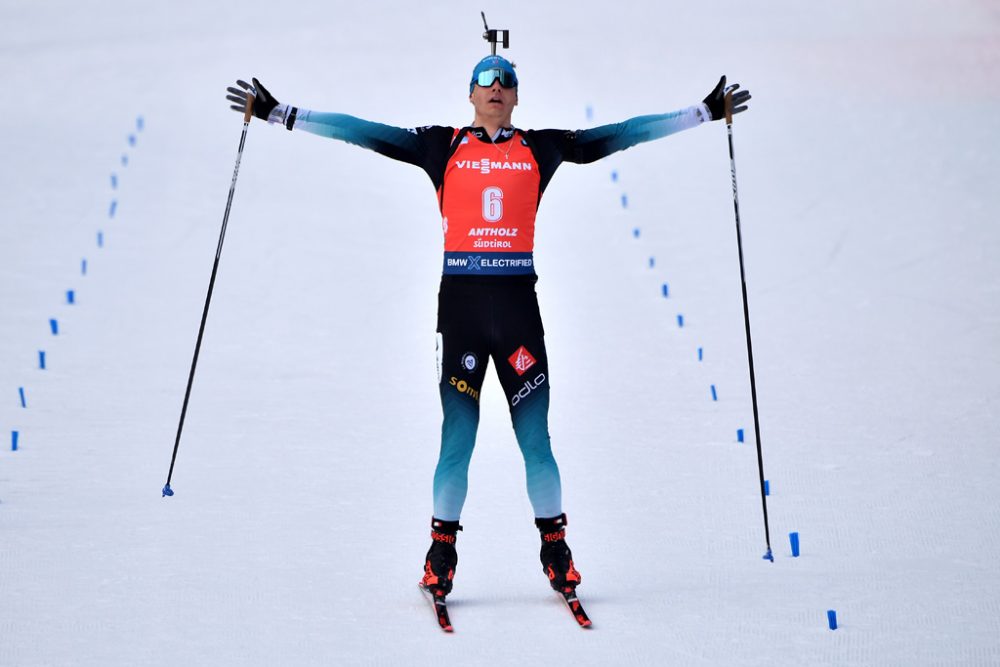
487, 305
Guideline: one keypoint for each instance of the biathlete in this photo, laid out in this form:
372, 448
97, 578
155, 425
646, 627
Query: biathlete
489, 177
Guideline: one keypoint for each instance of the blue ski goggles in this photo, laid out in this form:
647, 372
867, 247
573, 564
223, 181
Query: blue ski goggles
486, 78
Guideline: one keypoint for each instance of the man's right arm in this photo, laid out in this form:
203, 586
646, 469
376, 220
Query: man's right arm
394, 142
405, 145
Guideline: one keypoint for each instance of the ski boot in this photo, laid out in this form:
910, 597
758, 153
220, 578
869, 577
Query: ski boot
557, 559
441, 559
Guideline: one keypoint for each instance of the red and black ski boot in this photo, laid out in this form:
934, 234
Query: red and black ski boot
557, 559
557, 563
439, 568
441, 559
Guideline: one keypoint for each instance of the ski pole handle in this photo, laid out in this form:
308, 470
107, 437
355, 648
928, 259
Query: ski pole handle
729, 107
248, 114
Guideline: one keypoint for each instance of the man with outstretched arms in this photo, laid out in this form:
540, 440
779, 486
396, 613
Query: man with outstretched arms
490, 177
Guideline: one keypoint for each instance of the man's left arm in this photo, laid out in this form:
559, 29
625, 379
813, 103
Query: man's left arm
586, 146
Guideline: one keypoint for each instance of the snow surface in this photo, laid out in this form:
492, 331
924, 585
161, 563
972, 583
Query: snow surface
867, 171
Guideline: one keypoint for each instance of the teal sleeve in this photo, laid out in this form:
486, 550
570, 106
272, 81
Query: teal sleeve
394, 142
598, 142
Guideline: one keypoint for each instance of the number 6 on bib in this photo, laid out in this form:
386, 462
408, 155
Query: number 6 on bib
492, 204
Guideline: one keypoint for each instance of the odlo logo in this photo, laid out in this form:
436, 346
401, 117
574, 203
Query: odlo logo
526, 390
463, 388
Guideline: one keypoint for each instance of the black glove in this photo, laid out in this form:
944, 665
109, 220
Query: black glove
716, 100
263, 103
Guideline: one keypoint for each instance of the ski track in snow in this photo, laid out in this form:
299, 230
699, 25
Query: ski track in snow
866, 172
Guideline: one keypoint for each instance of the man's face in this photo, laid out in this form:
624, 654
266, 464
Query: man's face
493, 102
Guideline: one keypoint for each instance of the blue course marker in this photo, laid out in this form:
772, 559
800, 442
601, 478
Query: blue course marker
20, 391
636, 232
666, 290
767, 487
715, 396
614, 175
114, 181
739, 435
54, 325
70, 297
701, 354
13, 441
139, 123
100, 239
793, 539
652, 262
624, 201
83, 267
124, 160
831, 618
114, 205
680, 320
41, 359
590, 112
131, 140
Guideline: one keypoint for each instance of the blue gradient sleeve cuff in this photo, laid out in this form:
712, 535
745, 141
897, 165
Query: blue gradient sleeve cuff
619, 136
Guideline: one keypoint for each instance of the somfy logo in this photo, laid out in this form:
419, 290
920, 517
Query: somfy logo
464, 387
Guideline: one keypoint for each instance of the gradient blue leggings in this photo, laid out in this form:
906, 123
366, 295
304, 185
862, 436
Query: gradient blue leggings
498, 318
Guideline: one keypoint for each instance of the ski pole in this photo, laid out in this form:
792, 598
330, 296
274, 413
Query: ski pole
746, 319
247, 115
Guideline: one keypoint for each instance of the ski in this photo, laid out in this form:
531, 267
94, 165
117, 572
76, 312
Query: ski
569, 596
440, 607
